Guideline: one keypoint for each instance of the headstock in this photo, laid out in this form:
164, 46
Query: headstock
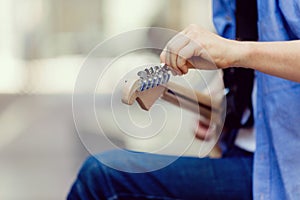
153, 83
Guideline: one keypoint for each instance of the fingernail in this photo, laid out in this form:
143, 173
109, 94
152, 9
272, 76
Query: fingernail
178, 72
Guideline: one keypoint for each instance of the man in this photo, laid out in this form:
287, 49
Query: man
276, 164
278, 106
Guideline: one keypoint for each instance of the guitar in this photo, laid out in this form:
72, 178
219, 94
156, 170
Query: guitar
153, 83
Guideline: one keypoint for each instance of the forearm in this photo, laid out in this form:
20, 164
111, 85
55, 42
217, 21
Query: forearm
198, 48
280, 59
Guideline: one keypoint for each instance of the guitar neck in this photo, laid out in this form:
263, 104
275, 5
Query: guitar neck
178, 95
191, 99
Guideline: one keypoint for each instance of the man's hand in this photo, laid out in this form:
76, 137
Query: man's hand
196, 47
205, 131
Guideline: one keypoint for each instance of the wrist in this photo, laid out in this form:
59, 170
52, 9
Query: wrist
231, 55
241, 54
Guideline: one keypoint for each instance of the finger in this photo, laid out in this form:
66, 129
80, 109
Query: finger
179, 42
163, 59
167, 52
205, 131
184, 69
172, 48
183, 61
189, 28
163, 56
201, 131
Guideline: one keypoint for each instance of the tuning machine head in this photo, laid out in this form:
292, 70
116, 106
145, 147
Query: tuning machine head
154, 76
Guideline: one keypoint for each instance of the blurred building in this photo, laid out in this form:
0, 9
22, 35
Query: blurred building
45, 31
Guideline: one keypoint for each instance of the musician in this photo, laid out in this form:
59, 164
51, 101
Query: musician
276, 168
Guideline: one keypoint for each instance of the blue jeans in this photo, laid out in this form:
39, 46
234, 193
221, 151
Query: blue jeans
189, 178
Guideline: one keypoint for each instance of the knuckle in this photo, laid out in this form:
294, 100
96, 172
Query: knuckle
162, 56
167, 62
192, 35
184, 70
180, 62
171, 49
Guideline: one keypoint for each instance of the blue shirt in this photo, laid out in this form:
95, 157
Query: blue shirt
277, 116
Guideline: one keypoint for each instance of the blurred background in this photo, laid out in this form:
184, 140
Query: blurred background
43, 44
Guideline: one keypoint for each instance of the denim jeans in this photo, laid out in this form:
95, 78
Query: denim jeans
229, 177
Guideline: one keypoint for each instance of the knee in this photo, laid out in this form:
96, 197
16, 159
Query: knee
96, 165
91, 181
90, 167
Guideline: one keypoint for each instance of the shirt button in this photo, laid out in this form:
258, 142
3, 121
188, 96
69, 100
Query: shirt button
228, 18
261, 196
260, 115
